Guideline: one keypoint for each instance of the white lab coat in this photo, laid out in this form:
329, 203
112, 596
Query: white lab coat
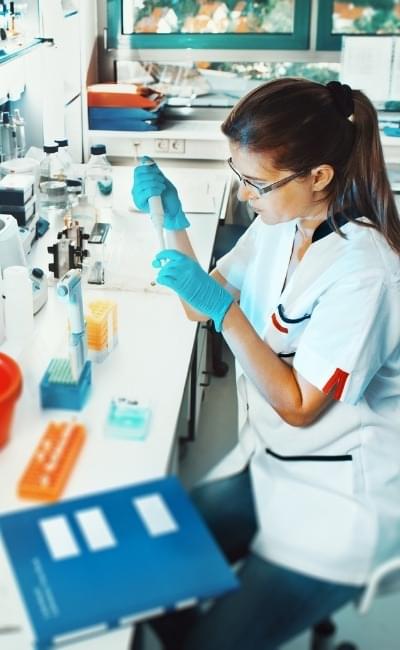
327, 495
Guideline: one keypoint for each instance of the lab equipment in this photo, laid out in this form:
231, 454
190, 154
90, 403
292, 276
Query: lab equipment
13, 253
7, 144
65, 156
156, 212
19, 127
186, 277
52, 461
150, 181
16, 189
11, 249
127, 419
66, 382
69, 290
70, 249
52, 184
18, 306
96, 243
101, 328
10, 390
99, 180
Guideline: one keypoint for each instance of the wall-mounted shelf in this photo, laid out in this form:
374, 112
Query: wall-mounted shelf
21, 51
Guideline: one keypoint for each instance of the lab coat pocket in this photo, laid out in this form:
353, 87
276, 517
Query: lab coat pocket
308, 516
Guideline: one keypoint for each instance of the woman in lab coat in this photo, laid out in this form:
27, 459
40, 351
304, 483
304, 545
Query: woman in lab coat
309, 303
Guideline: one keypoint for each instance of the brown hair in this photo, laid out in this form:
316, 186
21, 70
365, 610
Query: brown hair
298, 122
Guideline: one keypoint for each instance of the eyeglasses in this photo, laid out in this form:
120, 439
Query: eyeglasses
261, 188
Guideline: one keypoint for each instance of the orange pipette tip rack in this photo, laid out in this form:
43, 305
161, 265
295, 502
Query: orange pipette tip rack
52, 461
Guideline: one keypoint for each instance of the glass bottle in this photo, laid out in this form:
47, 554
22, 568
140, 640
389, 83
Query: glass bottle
52, 184
99, 180
65, 156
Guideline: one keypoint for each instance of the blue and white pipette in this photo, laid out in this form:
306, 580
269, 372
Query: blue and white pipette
156, 212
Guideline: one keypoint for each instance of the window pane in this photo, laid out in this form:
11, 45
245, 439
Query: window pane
208, 16
366, 17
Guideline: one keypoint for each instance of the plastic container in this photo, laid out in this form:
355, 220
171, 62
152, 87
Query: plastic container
10, 390
99, 180
53, 200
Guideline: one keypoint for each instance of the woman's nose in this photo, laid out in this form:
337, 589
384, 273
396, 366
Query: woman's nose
245, 193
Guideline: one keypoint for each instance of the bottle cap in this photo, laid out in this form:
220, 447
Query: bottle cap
50, 148
6, 117
62, 142
97, 149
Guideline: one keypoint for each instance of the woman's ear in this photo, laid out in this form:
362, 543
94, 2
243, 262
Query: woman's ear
321, 177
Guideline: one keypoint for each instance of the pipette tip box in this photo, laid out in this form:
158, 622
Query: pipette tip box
127, 419
59, 390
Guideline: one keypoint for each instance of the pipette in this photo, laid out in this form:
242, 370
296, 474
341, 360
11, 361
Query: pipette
156, 212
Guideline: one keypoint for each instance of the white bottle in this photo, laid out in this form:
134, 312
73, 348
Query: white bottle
18, 308
99, 180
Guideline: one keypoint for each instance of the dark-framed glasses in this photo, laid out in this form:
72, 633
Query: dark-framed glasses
260, 187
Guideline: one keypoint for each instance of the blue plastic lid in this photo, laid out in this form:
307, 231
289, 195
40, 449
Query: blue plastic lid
98, 149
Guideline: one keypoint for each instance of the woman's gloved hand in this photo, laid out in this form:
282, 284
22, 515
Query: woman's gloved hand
185, 276
148, 181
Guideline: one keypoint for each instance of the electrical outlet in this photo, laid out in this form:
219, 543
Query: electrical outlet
162, 145
177, 146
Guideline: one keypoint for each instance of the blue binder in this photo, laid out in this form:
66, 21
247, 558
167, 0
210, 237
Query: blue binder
89, 564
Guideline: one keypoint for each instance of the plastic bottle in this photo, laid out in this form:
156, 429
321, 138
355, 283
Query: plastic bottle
53, 199
18, 306
99, 179
74, 183
19, 126
6, 137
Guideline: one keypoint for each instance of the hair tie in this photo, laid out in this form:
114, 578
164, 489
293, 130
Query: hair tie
342, 96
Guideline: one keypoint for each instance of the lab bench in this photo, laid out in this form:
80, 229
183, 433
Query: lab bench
159, 360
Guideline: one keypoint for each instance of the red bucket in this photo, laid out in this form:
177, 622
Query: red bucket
10, 390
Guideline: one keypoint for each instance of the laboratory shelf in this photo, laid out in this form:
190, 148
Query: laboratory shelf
22, 50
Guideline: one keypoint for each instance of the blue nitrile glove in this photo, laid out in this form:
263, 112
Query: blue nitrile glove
148, 181
185, 276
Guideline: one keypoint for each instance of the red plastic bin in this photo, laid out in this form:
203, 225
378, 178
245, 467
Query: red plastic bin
10, 390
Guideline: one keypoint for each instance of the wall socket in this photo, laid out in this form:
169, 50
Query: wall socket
177, 146
163, 145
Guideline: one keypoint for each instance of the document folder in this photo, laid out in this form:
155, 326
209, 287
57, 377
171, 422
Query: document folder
89, 564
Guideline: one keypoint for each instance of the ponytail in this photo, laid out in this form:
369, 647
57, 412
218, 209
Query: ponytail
365, 184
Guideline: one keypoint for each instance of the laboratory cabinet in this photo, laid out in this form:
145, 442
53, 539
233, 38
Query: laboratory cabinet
44, 78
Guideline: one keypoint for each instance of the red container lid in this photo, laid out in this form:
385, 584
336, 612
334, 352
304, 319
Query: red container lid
10, 379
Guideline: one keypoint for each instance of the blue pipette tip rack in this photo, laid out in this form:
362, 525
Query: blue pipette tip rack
58, 389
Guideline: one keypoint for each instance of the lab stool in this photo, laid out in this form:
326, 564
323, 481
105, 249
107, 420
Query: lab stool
226, 238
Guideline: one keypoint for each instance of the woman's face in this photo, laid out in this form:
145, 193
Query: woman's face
294, 200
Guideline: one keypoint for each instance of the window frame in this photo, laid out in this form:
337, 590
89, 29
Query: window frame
326, 40
299, 39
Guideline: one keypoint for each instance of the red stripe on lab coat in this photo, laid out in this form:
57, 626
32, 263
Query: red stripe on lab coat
337, 382
278, 325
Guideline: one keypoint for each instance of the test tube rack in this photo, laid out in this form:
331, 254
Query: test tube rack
52, 461
101, 328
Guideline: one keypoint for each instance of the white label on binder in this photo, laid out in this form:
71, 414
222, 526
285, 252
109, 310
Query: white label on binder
155, 515
95, 529
59, 537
